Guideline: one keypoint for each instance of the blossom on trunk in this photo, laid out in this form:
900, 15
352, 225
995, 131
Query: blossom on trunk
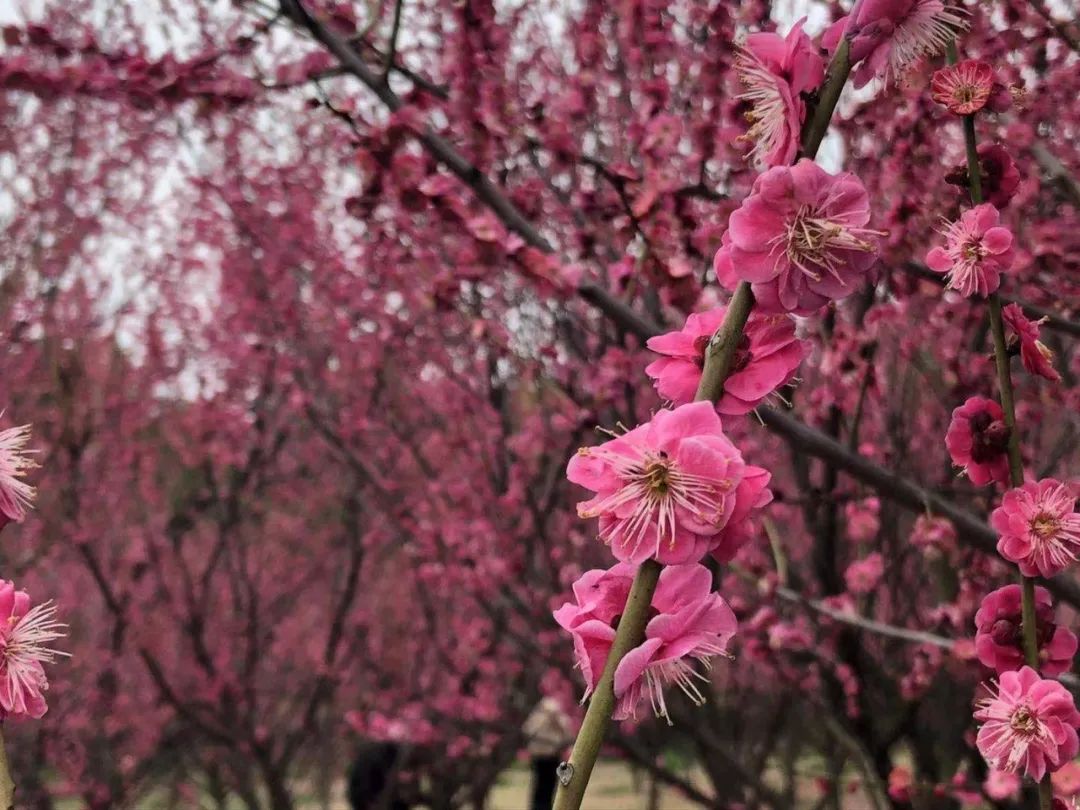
889, 37
669, 488
978, 441
24, 646
1028, 725
999, 633
687, 625
998, 175
766, 359
15, 494
1035, 356
800, 239
977, 250
967, 87
774, 71
1039, 527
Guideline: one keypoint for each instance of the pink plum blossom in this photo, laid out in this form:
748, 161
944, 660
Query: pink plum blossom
1028, 725
800, 239
977, 250
667, 489
774, 71
688, 624
751, 496
1001, 785
24, 640
1039, 527
999, 639
889, 37
901, 781
15, 494
1035, 356
1067, 780
767, 358
978, 439
862, 576
967, 87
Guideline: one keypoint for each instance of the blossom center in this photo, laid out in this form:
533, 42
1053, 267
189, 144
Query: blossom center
973, 250
989, 437
1005, 633
1045, 525
813, 242
1024, 721
656, 475
654, 496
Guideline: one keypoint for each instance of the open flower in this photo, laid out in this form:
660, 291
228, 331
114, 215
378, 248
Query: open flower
767, 358
998, 174
862, 576
800, 238
25, 637
1028, 725
978, 441
669, 488
999, 633
967, 87
1039, 527
1035, 356
889, 37
773, 72
687, 625
15, 494
1001, 786
977, 250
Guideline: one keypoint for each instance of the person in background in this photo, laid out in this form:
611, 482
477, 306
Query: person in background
547, 734
372, 779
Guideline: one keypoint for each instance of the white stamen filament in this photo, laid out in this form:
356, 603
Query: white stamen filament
657, 488
811, 240
768, 116
922, 35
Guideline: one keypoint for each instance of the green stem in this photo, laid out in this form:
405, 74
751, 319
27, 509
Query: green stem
629, 634
631, 630
833, 85
974, 172
718, 360
1008, 406
720, 353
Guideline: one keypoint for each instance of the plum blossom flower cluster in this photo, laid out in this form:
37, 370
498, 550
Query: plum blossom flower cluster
27, 631
1027, 720
676, 489
672, 490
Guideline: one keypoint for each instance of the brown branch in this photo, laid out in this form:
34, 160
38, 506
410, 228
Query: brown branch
391, 49
1057, 171
1054, 321
890, 485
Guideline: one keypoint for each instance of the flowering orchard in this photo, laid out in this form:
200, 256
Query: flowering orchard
326, 314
